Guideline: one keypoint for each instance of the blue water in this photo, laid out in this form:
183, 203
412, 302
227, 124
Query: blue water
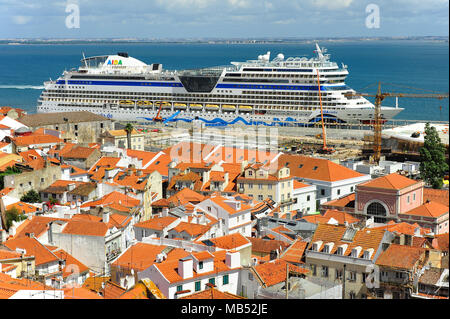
418, 64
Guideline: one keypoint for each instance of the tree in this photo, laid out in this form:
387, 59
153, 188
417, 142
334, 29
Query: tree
31, 197
129, 128
13, 214
433, 165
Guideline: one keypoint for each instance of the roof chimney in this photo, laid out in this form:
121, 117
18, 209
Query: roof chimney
186, 267
105, 216
233, 259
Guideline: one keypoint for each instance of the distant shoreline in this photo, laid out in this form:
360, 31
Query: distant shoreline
439, 39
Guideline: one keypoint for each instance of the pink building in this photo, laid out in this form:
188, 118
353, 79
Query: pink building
387, 197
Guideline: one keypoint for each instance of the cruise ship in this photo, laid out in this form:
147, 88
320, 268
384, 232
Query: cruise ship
281, 91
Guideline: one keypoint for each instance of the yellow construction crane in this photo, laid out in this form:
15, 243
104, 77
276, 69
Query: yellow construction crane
379, 97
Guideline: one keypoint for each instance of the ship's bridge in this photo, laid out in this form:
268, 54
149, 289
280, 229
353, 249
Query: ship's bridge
118, 63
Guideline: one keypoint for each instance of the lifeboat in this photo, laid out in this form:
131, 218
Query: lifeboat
228, 107
245, 108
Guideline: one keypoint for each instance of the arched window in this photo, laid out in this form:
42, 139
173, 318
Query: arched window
376, 209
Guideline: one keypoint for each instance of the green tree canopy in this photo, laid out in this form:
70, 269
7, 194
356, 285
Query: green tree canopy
13, 214
31, 197
433, 164
129, 128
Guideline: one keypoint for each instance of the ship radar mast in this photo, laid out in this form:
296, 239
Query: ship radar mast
320, 53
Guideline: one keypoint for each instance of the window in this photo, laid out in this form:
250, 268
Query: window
322, 192
200, 265
225, 280
352, 295
407, 199
250, 186
308, 198
351, 189
352, 276
250, 173
212, 281
269, 186
338, 273
314, 270
339, 192
260, 197
414, 196
325, 271
260, 186
250, 276
197, 285
180, 288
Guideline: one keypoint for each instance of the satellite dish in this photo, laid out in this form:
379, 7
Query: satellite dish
280, 56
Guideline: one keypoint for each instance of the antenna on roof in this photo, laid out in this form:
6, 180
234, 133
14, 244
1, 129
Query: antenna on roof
84, 59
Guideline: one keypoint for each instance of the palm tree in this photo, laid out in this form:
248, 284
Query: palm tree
129, 128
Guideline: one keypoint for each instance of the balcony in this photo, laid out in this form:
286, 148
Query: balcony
112, 255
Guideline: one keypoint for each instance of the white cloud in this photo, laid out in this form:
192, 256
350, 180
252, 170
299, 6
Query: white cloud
21, 19
333, 4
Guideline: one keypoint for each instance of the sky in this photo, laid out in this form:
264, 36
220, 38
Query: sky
191, 19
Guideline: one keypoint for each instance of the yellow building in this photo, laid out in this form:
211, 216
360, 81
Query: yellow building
267, 181
119, 139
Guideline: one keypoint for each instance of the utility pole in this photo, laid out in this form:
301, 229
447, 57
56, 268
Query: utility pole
343, 282
287, 280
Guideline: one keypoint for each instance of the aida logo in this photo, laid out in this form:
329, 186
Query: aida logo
115, 62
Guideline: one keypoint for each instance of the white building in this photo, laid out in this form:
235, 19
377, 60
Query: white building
177, 278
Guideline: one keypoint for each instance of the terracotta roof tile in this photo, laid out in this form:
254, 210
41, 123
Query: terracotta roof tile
142, 255
274, 272
231, 241
366, 238
157, 223
212, 293
294, 253
315, 168
266, 246
400, 256
391, 181
436, 195
78, 152
33, 248
430, 209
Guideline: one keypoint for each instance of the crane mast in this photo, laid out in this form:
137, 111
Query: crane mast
379, 97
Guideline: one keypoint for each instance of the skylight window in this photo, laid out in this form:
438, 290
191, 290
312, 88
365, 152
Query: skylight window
315, 167
300, 166
349, 234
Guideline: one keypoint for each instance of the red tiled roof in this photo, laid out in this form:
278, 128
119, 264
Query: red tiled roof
212, 293
80, 293
36, 139
157, 223
436, 195
231, 241
34, 248
169, 268
340, 217
391, 181
78, 152
346, 201
315, 168
294, 253
85, 228
274, 272
141, 256
430, 209
365, 238
400, 256
266, 246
